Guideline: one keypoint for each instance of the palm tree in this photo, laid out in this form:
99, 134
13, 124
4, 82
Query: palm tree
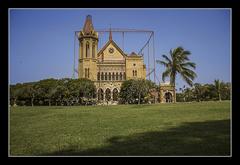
218, 85
178, 63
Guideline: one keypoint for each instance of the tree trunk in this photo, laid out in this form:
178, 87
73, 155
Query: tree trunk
219, 96
32, 99
15, 102
49, 102
139, 97
174, 92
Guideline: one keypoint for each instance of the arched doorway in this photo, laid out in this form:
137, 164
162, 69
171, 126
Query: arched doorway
168, 97
115, 94
100, 94
108, 94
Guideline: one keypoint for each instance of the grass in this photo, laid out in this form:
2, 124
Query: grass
160, 129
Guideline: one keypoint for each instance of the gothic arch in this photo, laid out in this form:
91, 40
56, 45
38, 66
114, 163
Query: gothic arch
100, 94
93, 50
87, 50
168, 97
109, 76
81, 55
115, 94
108, 94
117, 76
121, 76
113, 76
98, 76
105, 76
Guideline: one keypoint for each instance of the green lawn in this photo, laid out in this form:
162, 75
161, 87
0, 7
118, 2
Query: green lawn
160, 129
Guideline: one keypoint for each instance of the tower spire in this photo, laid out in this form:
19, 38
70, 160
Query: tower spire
110, 33
88, 26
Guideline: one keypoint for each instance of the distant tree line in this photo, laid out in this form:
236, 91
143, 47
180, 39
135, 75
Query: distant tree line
76, 92
53, 92
83, 92
217, 91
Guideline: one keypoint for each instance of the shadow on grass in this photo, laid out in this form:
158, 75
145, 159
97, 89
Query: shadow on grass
197, 138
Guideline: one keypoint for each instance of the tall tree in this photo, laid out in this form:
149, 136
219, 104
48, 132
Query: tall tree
178, 62
47, 88
30, 91
16, 91
218, 86
135, 90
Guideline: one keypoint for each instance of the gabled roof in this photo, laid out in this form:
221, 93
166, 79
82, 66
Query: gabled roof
114, 44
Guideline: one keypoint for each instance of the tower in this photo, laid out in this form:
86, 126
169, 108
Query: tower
88, 46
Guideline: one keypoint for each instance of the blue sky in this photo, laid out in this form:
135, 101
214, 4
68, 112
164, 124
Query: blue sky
42, 40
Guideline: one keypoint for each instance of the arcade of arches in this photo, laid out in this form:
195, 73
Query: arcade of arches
107, 95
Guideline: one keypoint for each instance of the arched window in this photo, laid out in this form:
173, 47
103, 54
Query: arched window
81, 56
106, 76
113, 76
86, 72
108, 94
115, 94
93, 50
102, 76
117, 76
100, 94
120, 75
87, 49
134, 73
98, 76
124, 76
109, 76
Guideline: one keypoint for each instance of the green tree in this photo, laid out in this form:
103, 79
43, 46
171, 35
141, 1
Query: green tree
198, 91
178, 62
16, 92
81, 90
30, 92
135, 90
225, 91
142, 88
188, 94
218, 86
47, 89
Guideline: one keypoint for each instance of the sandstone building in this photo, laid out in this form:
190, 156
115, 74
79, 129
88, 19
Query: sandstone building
107, 67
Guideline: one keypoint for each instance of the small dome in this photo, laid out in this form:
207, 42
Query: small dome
133, 54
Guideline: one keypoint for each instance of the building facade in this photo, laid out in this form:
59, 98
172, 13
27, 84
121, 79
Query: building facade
107, 67
167, 93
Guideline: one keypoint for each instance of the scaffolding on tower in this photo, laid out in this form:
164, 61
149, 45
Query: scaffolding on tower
146, 50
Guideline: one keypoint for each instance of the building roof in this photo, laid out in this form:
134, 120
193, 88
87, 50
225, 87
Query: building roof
133, 54
114, 44
88, 26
